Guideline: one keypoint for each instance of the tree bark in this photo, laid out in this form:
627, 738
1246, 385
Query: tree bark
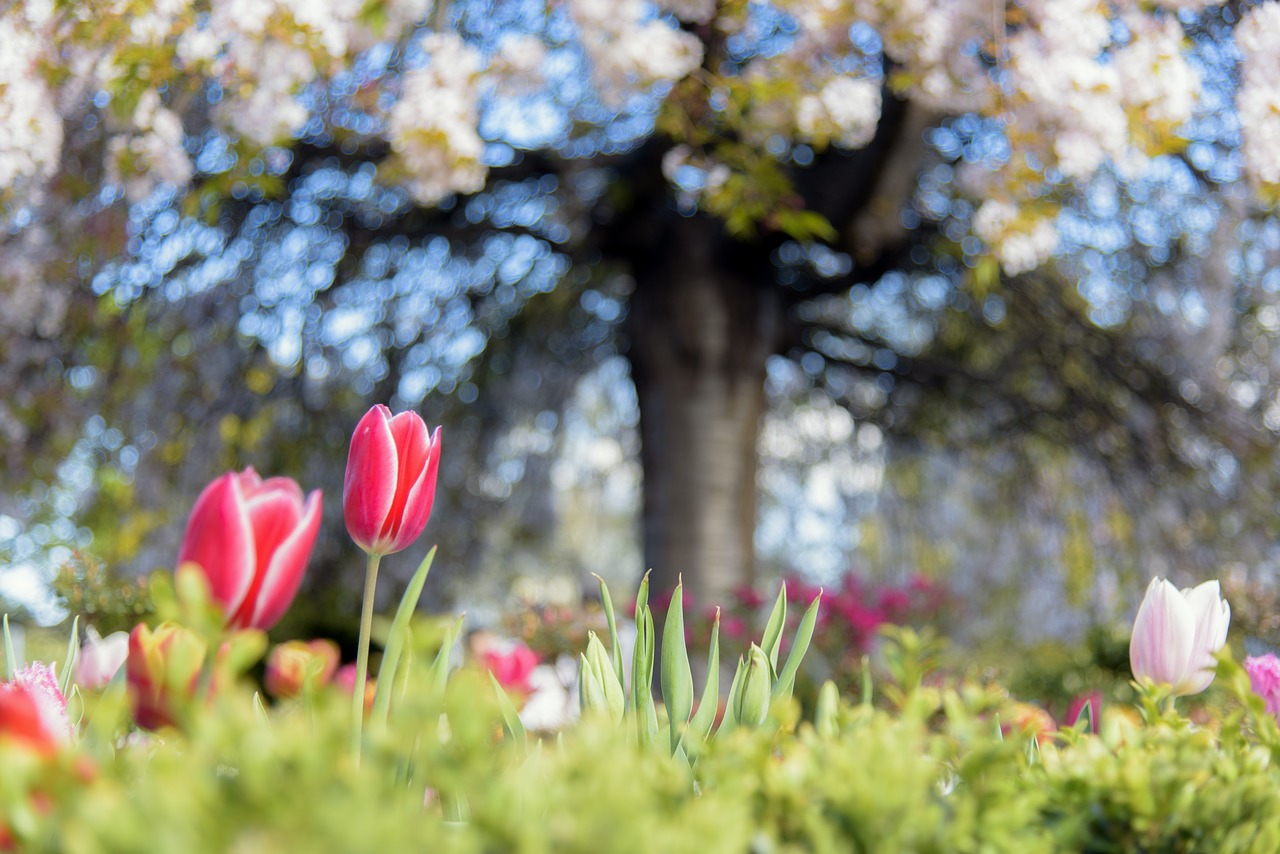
701, 329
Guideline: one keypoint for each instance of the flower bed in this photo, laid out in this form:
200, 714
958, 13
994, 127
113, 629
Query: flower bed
162, 741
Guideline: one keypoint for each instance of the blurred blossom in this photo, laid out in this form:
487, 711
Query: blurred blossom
100, 658
1264, 677
511, 663
294, 665
33, 711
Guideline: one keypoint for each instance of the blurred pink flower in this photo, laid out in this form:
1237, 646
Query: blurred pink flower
511, 665
1264, 676
101, 658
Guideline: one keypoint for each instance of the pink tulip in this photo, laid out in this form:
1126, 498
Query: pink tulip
1176, 634
391, 480
1264, 678
252, 538
511, 665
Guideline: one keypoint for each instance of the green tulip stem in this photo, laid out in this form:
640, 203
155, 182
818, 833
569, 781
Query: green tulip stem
362, 655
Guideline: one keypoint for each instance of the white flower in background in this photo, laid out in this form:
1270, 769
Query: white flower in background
152, 154
1258, 98
433, 126
30, 128
1154, 75
845, 110
269, 111
100, 658
629, 54
1021, 243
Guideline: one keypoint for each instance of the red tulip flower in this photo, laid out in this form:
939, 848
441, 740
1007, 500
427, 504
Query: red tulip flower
390, 481
252, 538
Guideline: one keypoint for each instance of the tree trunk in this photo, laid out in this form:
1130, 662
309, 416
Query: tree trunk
700, 333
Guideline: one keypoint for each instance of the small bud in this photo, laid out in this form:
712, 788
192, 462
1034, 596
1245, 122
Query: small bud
753, 699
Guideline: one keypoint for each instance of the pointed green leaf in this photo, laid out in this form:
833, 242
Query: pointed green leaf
438, 675
72, 657
799, 646
676, 675
260, 709
650, 712
642, 595
394, 648
730, 719
773, 629
615, 649
11, 664
510, 717
705, 717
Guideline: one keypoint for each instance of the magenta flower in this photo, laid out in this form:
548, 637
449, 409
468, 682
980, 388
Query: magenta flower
1264, 677
1177, 633
252, 539
390, 482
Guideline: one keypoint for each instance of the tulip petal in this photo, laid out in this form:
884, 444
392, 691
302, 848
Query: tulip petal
421, 497
1213, 618
274, 514
283, 575
219, 538
1163, 633
409, 433
369, 487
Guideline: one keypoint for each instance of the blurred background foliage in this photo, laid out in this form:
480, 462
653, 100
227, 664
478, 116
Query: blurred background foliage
1041, 443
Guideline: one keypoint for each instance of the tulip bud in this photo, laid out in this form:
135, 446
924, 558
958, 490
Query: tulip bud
1176, 635
295, 665
252, 538
600, 689
390, 481
163, 669
753, 697
100, 658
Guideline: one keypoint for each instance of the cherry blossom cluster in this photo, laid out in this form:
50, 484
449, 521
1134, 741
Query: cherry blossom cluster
1258, 100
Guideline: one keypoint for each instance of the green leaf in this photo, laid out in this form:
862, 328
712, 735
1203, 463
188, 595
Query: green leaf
510, 717
438, 675
676, 676
615, 649
799, 646
773, 629
642, 596
730, 719
10, 659
396, 640
705, 717
73, 655
260, 709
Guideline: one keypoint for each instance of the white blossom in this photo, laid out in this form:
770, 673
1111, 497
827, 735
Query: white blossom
845, 110
433, 126
30, 127
1258, 98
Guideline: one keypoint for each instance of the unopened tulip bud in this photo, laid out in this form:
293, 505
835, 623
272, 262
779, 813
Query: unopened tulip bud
295, 665
601, 689
753, 696
163, 669
390, 481
1176, 635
